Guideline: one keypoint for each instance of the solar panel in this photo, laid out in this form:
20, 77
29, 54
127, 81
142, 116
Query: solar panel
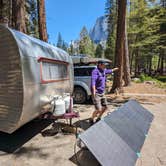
126, 130
108, 148
134, 105
117, 139
136, 117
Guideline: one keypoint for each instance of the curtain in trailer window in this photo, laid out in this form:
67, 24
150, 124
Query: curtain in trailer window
46, 71
53, 71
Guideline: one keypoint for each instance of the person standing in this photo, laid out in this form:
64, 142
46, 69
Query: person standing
98, 82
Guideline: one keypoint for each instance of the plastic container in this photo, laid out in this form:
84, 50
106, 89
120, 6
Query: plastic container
67, 103
59, 107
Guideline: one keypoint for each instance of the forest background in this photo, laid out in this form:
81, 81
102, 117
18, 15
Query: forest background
136, 40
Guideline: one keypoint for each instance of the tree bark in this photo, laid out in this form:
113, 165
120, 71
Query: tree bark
126, 65
42, 20
117, 82
159, 61
162, 63
150, 66
131, 61
1, 10
136, 63
10, 13
18, 15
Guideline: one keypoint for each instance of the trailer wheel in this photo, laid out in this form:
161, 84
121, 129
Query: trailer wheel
80, 96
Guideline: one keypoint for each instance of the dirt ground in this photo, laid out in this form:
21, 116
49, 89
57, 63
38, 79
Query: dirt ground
41, 142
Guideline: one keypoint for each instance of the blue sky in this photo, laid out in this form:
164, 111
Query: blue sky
69, 16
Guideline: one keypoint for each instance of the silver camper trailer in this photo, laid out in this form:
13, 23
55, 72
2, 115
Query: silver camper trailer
33, 76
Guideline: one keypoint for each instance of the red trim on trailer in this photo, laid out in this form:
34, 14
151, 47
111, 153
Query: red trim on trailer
43, 59
49, 60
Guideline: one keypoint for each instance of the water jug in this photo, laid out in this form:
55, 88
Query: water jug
59, 107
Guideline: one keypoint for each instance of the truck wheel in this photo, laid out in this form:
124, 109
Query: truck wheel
79, 95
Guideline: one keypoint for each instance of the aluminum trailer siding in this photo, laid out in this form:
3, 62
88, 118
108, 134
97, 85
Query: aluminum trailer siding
32, 72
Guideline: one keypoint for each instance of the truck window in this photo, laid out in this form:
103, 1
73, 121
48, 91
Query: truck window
83, 71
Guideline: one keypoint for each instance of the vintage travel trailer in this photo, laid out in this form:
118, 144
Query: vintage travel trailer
34, 77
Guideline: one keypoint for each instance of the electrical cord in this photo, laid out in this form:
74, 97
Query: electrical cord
75, 153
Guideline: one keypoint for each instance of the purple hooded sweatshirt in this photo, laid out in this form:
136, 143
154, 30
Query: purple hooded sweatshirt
99, 79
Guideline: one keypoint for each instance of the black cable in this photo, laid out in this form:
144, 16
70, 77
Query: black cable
75, 153
75, 145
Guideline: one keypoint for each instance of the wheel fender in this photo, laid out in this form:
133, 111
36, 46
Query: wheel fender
84, 86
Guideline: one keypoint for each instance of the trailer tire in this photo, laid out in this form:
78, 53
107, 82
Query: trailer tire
80, 95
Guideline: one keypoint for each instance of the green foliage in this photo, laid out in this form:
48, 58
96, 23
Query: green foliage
71, 49
99, 51
59, 41
86, 45
32, 18
83, 33
159, 81
142, 77
64, 46
161, 78
111, 16
146, 32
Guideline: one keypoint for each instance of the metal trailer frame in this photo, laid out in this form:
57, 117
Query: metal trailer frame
26, 89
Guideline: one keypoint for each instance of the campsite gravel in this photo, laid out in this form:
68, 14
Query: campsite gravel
34, 145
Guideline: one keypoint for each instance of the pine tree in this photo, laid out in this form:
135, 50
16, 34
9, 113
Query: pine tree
146, 38
162, 37
137, 29
64, 46
59, 41
71, 49
111, 15
86, 45
99, 53
83, 33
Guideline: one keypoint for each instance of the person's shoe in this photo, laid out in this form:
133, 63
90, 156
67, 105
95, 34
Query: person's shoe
97, 120
91, 122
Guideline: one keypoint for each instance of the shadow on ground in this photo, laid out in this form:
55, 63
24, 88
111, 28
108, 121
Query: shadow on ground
11, 142
59, 127
83, 124
117, 101
84, 158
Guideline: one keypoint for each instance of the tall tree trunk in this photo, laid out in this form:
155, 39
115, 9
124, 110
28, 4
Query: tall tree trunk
1, 10
150, 66
18, 12
131, 60
162, 62
42, 20
117, 83
4, 14
126, 65
136, 63
10, 13
159, 61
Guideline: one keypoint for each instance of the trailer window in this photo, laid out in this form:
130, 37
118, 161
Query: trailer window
52, 71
